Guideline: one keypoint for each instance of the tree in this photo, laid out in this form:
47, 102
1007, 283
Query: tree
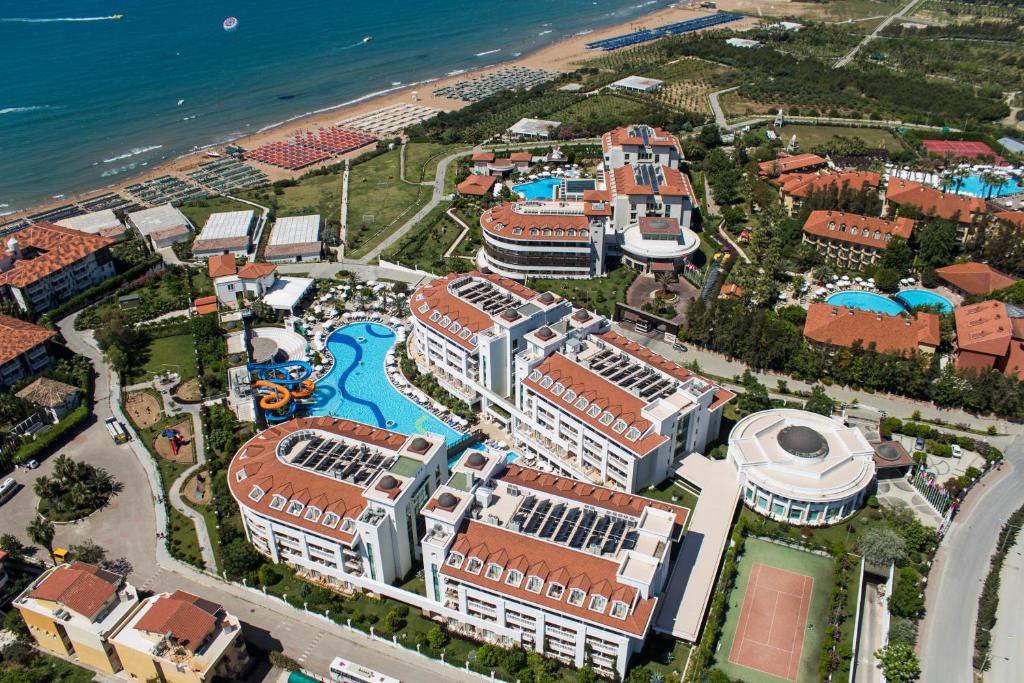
586, 674
666, 278
887, 279
903, 630
898, 662
882, 546
906, 600
240, 558
393, 621
15, 623
936, 242
88, 552
14, 548
41, 532
819, 402
754, 396
488, 655
437, 638
897, 256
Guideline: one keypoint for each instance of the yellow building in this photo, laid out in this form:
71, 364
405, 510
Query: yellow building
72, 609
180, 638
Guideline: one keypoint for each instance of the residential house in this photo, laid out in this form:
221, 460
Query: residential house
791, 163
989, 336
974, 278
795, 188
56, 399
965, 210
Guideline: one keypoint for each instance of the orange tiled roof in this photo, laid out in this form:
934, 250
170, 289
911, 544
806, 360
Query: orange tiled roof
731, 289
221, 265
800, 185
551, 562
253, 271
483, 156
850, 227
18, 337
258, 458
983, 328
843, 326
187, 618
51, 248
674, 183
1014, 217
505, 222
520, 156
477, 185
974, 278
79, 586
932, 201
787, 163
628, 135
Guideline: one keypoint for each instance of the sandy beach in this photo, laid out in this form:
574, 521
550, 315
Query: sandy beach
564, 55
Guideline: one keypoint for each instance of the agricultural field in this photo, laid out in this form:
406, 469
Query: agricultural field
597, 108
688, 82
942, 12
835, 11
379, 202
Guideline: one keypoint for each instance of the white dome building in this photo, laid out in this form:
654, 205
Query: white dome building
656, 243
800, 467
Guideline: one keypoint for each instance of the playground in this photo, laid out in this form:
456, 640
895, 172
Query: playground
280, 384
188, 391
175, 442
777, 614
143, 408
196, 488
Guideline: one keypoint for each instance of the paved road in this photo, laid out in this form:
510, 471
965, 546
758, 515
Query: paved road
946, 635
127, 528
870, 639
902, 12
1007, 657
716, 106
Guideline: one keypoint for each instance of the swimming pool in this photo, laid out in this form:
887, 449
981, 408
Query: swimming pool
357, 387
976, 186
919, 297
866, 301
538, 189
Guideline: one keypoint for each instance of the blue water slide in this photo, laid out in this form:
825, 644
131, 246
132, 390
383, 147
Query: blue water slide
268, 372
286, 415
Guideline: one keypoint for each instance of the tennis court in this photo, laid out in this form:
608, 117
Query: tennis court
776, 616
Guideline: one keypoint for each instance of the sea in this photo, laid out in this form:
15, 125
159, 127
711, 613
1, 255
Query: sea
86, 99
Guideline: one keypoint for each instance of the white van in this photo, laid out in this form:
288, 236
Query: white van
7, 490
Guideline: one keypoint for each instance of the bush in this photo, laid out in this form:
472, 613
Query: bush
903, 631
53, 437
268, 575
283, 661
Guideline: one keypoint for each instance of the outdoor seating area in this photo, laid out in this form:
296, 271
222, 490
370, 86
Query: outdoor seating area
334, 140
167, 189
390, 120
510, 78
648, 34
286, 155
228, 174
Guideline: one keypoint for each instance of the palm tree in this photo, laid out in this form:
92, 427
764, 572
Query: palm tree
63, 468
44, 487
80, 494
41, 532
665, 278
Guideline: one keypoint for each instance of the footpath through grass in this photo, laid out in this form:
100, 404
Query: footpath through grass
818, 567
379, 202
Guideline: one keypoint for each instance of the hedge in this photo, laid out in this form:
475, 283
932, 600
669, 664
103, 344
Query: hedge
91, 296
715, 620
38, 446
988, 603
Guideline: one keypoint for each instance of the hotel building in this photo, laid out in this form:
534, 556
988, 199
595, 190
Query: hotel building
583, 400
23, 350
795, 188
574, 233
337, 500
44, 265
850, 240
966, 211
538, 561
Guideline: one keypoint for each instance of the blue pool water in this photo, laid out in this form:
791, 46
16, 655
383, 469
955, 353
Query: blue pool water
974, 185
919, 297
866, 301
510, 457
538, 189
357, 387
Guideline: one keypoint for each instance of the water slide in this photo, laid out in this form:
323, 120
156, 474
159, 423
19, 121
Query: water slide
283, 382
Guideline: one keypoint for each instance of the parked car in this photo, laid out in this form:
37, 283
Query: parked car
31, 464
957, 451
919, 444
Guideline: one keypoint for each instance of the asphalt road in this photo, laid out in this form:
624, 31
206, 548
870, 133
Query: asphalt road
902, 12
946, 636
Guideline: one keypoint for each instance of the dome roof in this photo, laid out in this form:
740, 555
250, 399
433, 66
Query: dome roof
545, 333
387, 483
547, 298
581, 315
886, 451
447, 501
510, 314
419, 445
802, 442
476, 459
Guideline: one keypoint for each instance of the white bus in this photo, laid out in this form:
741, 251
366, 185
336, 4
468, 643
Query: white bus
116, 430
7, 490
345, 671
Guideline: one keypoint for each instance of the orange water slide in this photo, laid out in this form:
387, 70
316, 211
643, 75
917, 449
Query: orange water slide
304, 389
277, 398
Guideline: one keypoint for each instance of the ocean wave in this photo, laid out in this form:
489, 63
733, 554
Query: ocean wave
133, 153
488, 52
544, 33
51, 20
22, 110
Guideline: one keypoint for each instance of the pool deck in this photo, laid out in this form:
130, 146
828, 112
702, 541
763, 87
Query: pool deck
951, 298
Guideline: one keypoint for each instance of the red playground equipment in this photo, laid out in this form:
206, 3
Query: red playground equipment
174, 436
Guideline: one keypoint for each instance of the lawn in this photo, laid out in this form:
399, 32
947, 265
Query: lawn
597, 294
167, 354
800, 562
812, 136
379, 202
670, 491
424, 246
199, 211
421, 159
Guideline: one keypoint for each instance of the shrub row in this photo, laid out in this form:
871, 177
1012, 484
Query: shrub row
701, 656
988, 603
96, 293
52, 437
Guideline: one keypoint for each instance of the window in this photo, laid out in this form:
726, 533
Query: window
331, 519
576, 597
853, 231
633, 434
534, 583
606, 418
455, 560
584, 232
435, 316
559, 388
570, 396
455, 328
277, 502
475, 565
446, 321
555, 591
546, 382
620, 426
240, 475
256, 493
494, 571
581, 404
312, 513
295, 507
598, 603
572, 233
349, 525
831, 226
534, 232
619, 609
535, 375
514, 578
594, 411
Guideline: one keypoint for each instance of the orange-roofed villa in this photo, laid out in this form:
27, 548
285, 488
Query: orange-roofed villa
990, 336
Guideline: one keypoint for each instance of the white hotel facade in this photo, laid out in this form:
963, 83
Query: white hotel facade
579, 398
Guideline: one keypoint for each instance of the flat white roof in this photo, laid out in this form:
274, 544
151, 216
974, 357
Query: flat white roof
149, 221
295, 230
287, 292
227, 224
92, 222
533, 127
638, 83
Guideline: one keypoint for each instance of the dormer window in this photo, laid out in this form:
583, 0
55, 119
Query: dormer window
534, 584
534, 232
455, 328
555, 591
546, 382
606, 418
572, 233
240, 475
277, 502
331, 519
465, 334
455, 560
619, 609
494, 571
832, 226
878, 234
633, 434
256, 493
312, 514
435, 316
576, 597
475, 565
581, 404
349, 525
559, 388
594, 411
570, 396
514, 578
535, 375
620, 426
295, 507
853, 231
446, 321
584, 233
598, 603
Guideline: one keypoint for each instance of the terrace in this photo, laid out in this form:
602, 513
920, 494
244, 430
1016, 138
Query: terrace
625, 372
353, 464
488, 297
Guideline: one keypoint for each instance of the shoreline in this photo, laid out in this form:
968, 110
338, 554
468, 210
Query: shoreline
562, 55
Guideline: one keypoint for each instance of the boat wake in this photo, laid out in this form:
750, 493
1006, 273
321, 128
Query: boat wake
133, 153
488, 52
22, 110
544, 33
51, 20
